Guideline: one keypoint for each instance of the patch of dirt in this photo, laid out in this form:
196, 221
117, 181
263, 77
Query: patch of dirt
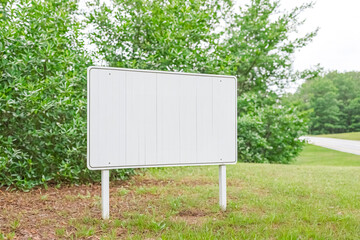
36, 214
192, 217
193, 213
141, 181
235, 183
194, 182
61, 213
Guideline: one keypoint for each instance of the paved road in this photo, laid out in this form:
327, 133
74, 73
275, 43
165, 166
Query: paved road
342, 145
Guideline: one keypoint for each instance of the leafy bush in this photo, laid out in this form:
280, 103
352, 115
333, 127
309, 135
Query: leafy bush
42, 96
267, 131
43, 84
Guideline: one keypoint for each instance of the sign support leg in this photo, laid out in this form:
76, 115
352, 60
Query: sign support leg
222, 187
105, 175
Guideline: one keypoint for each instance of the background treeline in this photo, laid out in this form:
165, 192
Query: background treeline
43, 61
333, 101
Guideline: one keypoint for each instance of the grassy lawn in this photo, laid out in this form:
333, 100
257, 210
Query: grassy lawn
319, 156
348, 136
306, 200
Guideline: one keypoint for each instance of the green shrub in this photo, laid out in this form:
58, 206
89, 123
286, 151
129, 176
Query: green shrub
43, 77
267, 131
43, 96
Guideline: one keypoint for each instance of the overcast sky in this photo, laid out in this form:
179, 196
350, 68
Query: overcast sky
337, 45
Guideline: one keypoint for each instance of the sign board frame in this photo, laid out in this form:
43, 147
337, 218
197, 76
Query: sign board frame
89, 164
105, 169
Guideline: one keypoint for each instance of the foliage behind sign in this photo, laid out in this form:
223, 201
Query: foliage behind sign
43, 67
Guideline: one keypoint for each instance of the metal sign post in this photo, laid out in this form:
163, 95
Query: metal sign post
105, 196
222, 187
141, 119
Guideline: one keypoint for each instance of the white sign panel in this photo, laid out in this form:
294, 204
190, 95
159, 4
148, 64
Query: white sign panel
139, 118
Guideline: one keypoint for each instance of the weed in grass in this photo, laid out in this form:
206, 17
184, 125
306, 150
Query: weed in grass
146, 190
97, 201
47, 221
104, 225
157, 226
84, 231
117, 223
112, 236
15, 225
8, 236
122, 191
90, 220
77, 197
140, 221
44, 197
87, 196
60, 232
176, 203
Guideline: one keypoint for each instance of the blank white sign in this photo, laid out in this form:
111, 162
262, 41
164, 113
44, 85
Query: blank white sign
139, 118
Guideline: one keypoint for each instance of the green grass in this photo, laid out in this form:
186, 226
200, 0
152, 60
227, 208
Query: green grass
304, 200
348, 136
264, 202
315, 155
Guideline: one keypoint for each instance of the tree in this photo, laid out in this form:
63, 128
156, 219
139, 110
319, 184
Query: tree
332, 98
257, 46
183, 35
325, 107
353, 109
348, 88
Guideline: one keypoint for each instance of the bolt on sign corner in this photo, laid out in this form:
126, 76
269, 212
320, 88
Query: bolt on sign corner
139, 118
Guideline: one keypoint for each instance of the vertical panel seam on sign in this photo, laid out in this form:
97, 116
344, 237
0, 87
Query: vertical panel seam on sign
156, 117
196, 118
236, 118
138, 116
89, 125
119, 111
126, 114
179, 99
212, 115
144, 122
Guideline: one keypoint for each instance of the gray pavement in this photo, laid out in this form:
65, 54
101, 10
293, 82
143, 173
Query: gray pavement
342, 145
